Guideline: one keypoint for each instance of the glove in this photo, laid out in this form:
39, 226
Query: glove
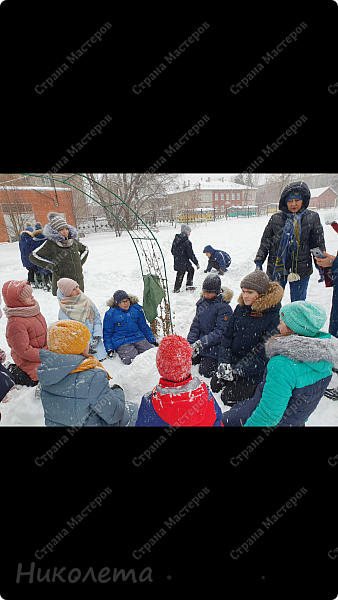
330, 218
196, 346
96, 340
2, 356
156, 344
197, 266
91, 350
206, 270
110, 353
258, 266
224, 371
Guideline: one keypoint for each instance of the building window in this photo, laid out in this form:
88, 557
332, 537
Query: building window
216, 197
216, 208
233, 196
222, 197
222, 207
227, 196
238, 195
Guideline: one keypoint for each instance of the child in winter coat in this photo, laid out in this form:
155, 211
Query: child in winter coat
125, 328
218, 259
74, 385
212, 313
26, 331
297, 374
178, 399
75, 305
26, 247
42, 277
241, 357
183, 253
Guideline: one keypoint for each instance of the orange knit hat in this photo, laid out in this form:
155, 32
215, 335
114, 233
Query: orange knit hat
67, 337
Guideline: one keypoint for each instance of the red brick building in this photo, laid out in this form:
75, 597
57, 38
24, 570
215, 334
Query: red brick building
19, 204
323, 197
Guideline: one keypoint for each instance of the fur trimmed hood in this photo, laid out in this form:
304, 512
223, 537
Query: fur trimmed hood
54, 236
227, 294
265, 301
304, 349
133, 300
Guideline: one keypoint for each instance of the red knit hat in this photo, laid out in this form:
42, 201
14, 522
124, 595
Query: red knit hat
14, 292
173, 358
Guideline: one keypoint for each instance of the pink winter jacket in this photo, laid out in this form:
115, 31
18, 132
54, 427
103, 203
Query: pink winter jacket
26, 330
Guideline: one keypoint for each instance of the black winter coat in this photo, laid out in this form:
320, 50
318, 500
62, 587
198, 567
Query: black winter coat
183, 253
247, 330
312, 236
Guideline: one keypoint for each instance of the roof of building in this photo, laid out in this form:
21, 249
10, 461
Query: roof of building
315, 192
215, 185
32, 187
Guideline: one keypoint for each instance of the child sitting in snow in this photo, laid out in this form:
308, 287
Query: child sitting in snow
74, 385
178, 399
218, 259
212, 313
75, 305
26, 331
125, 328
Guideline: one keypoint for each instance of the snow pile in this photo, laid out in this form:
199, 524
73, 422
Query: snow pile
113, 264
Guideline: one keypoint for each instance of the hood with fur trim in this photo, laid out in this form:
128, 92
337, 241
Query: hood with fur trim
304, 349
227, 294
133, 300
54, 236
265, 301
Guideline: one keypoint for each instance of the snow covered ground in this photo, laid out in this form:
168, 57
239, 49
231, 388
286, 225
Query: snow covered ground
113, 264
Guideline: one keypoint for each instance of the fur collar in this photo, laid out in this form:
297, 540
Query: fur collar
227, 294
133, 300
304, 349
54, 236
265, 301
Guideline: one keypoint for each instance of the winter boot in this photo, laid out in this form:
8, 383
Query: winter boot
190, 288
331, 393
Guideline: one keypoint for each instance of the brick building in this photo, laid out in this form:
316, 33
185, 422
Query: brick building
19, 204
323, 197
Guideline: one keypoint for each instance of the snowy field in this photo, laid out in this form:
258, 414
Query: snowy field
113, 264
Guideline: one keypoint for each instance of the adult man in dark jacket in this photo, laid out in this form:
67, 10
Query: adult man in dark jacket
295, 265
183, 253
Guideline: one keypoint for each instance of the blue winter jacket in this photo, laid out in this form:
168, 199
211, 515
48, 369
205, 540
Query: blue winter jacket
297, 375
26, 247
210, 321
81, 399
222, 258
125, 326
37, 241
94, 328
248, 328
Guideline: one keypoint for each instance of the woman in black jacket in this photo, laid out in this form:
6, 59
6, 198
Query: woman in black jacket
288, 238
241, 356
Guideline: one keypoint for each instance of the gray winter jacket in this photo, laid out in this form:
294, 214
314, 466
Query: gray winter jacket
81, 399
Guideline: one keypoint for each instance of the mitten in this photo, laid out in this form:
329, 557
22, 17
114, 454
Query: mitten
258, 266
91, 349
96, 340
197, 266
330, 218
196, 346
224, 371
155, 343
2, 356
110, 353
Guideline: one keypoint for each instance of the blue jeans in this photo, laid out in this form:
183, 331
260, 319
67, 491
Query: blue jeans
298, 288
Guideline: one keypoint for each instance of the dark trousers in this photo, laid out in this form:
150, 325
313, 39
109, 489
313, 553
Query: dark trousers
127, 352
19, 376
180, 276
233, 391
207, 365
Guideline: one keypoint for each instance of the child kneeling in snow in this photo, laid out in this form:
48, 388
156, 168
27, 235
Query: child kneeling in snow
212, 313
178, 399
75, 305
218, 259
297, 374
26, 331
74, 385
125, 328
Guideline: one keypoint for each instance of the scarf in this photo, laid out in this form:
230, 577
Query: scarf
78, 308
289, 243
23, 311
66, 243
90, 362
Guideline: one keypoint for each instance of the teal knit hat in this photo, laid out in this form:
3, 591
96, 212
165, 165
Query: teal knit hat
303, 317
